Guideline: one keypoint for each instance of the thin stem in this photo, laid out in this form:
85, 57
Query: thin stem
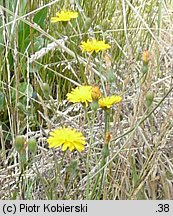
89, 153
105, 151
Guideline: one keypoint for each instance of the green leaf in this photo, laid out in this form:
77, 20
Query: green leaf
40, 17
22, 92
23, 36
135, 177
23, 89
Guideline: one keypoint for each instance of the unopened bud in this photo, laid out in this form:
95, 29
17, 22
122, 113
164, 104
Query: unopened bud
32, 145
146, 56
87, 24
96, 93
46, 89
108, 137
149, 98
105, 24
19, 143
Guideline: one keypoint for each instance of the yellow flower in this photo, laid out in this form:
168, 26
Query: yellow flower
81, 94
67, 138
64, 16
94, 45
107, 102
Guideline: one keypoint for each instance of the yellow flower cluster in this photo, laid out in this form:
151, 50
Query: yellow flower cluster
90, 46
94, 46
64, 16
70, 138
85, 94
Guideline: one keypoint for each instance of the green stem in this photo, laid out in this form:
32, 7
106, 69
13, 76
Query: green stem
105, 153
86, 115
95, 186
88, 155
107, 121
57, 179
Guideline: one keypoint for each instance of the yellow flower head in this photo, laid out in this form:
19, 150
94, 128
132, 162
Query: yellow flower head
107, 102
67, 138
64, 16
94, 45
81, 94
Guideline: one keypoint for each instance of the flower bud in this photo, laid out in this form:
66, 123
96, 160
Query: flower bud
108, 137
149, 98
105, 24
19, 143
146, 56
32, 145
46, 89
96, 93
87, 24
